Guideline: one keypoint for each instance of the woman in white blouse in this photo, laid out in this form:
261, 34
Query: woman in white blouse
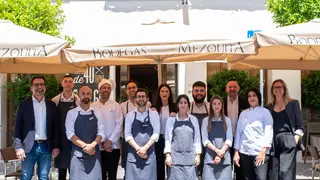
165, 107
182, 143
253, 139
217, 137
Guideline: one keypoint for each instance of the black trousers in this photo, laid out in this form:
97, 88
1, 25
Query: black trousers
282, 165
63, 174
160, 156
250, 170
202, 156
236, 169
109, 164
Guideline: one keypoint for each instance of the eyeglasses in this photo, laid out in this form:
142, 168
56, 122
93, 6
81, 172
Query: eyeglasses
132, 87
141, 97
38, 84
277, 87
197, 90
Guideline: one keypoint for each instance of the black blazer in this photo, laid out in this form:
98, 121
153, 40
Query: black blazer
295, 116
24, 135
242, 102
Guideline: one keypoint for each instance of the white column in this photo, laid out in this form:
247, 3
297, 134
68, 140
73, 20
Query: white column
181, 78
3, 110
112, 75
195, 71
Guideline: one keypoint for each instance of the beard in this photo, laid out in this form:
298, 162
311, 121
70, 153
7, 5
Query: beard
86, 101
141, 103
201, 100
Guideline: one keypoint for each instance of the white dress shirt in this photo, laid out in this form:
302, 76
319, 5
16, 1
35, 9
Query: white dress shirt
154, 120
111, 117
72, 117
205, 133
169, 132
40, 117
233, 108
61, 98
164, 115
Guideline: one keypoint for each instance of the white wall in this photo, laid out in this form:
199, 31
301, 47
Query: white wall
194, 72
292, 79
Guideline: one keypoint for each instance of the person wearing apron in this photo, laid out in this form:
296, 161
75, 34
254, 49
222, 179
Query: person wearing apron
126, 107
141, 132
217, 138
65, 101
182, 143
199, 109
85, 129
253, 140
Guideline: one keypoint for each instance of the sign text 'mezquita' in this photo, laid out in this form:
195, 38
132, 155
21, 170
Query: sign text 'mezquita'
23, 52
294, 40
211, 48
109, 53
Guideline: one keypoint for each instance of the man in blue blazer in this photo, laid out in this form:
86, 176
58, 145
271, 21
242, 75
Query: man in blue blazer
36, 136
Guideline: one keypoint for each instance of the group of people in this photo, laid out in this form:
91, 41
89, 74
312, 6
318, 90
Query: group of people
174, 140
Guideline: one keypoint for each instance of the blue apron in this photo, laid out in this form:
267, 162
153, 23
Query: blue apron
200, 117
62, 161
124, 150
84, 166
136, 167
182, 152
221, 171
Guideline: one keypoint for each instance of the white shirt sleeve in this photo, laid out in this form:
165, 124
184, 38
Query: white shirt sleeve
115, 136
100, 125
128, 125
70, 120
204, 132
155, 123
197, 136
168, 134
268, 128
229, 136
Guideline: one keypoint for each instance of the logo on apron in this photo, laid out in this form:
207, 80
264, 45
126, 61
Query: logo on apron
91, 118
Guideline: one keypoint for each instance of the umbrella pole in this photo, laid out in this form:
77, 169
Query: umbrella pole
159, 67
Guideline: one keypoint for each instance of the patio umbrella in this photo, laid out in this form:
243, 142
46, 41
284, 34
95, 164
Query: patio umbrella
294, 47
27, 51
156, 43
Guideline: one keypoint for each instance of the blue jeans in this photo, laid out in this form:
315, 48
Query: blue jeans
41, 155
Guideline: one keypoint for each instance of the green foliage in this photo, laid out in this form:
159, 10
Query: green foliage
217, 82
287, 12
19, 88
311, 90
39, 15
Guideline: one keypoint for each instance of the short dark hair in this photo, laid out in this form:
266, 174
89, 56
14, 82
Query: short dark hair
130, 81
142, 90
257, 92
199, 84
232, 79
179, 99
67, 76
37, 77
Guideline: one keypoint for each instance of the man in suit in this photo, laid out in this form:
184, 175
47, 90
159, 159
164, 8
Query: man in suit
36, 135
233, 105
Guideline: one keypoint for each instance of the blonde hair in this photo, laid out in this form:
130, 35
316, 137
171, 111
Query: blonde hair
286, 96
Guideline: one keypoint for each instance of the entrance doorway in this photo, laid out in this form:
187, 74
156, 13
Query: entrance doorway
147, 77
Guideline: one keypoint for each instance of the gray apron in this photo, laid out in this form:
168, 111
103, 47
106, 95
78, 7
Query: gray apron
182, 152
84, 166
62, 161
124, 150
200, 117
221, 171
136, 167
